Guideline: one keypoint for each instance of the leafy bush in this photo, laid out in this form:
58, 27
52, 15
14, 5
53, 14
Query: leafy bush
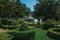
6, 22
49, 24
23, 35
31, 24
10, 26
24, 27
20, 21
9, 22
38, 25
54, 33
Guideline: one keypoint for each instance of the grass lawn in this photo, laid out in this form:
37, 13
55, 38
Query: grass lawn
4, 36
41, 34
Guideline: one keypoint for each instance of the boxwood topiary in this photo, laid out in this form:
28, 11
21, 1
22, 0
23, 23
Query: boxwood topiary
9, 22
6, 22
10, 26
49, 24
24, 27
54, 33
23, 33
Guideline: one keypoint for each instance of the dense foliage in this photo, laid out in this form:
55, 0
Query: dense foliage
23, 33
13, 8
45, 9
49, 24
24, 27
10, 23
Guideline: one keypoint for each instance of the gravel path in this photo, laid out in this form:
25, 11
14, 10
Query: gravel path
2, 30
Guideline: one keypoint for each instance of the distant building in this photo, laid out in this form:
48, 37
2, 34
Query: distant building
29, 18
32, 19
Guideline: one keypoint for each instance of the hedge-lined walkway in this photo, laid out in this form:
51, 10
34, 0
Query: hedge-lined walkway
41, 34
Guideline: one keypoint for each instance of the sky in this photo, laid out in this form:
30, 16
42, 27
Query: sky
29, 3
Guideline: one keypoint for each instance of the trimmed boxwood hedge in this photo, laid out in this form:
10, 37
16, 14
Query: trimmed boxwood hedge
54, 33
48, 24
11, 26
8, 21
23, 35
17, 35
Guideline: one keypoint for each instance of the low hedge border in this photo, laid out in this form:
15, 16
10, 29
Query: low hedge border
23, 35
54, 33
11, 26
49, 24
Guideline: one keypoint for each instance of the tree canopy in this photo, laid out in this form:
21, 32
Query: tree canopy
45, 9
12, 8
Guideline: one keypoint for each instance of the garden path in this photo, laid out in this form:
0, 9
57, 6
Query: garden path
2, 30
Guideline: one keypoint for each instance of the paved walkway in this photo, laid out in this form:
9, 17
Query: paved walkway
2, 30
58, 25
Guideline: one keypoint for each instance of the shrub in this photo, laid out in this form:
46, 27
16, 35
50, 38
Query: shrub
38, 25
54, 33
49, 24
6, 22
24, 27
20, 21
9, 22
31, 24
10, 26
23, 35
14, 22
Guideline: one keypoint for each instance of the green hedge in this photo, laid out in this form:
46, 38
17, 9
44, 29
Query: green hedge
24, 27
54, 33
8, 21
38, 25
49, 24
11, 26
20, 21
23, 35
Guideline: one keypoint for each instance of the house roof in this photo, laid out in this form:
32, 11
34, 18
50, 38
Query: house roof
30, 16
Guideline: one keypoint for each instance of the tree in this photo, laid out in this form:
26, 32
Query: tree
28, 11
12, 8
45, 9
